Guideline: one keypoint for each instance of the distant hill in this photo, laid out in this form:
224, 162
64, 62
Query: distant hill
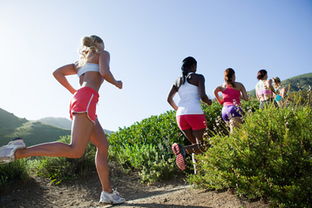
9, 122
300, 82
33, 132
63, 123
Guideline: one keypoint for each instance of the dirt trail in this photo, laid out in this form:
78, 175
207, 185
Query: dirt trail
84, 193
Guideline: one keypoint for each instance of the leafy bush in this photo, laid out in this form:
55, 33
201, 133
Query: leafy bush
146, 146
268, 157
13, 171
59, 169
301, 98
215, 124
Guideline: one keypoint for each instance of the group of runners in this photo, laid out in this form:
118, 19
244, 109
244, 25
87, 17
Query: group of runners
93, 68
190, 116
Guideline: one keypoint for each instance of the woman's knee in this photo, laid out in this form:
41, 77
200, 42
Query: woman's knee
77, 152
101, 143
103, 147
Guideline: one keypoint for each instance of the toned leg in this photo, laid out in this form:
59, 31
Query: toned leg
198, 134
189, 135
80, 135
234, 123
98, 138
197, 146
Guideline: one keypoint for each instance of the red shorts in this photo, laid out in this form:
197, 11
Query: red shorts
84, 101
193, 121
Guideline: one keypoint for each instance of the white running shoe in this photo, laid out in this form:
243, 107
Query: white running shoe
111, 198
7, 151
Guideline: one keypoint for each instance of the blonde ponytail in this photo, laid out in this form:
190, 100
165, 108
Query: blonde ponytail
88, 44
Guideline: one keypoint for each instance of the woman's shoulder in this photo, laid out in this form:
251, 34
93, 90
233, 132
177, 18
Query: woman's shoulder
239, 84
221, 87
197, 76
103, 53
178, 82
259, 83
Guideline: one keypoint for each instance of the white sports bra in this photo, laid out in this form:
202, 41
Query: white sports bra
88, 67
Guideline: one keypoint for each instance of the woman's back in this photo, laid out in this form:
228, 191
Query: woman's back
231, 96
189, 98
263, 90
89, 72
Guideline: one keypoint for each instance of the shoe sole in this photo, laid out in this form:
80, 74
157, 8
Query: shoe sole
179, 157
112, 203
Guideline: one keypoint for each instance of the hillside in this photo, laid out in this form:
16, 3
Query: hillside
33, 132
62, 123
9, 122
300, 82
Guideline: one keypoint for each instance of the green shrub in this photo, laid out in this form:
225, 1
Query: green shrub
13, 171
300, 98
59, 169
215, 123
146, 146
270, 156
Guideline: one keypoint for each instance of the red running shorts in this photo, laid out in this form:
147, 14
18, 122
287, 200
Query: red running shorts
192, 121
84, 101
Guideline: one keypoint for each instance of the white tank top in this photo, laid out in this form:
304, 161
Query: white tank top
189, 99
88, 67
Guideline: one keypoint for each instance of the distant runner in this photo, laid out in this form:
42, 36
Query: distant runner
264, 89
232, 92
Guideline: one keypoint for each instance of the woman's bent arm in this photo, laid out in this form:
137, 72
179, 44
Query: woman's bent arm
61, 73
170, 97
202, 91
105, 71
216, 93
244, 92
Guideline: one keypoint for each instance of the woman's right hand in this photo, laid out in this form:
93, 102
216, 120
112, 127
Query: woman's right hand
118, 84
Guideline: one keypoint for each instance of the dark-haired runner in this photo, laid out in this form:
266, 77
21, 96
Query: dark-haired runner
232, 92
190, 117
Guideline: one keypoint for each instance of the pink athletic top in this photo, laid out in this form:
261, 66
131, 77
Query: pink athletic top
231, 96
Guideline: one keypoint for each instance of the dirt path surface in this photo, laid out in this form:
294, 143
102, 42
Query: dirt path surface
84, 193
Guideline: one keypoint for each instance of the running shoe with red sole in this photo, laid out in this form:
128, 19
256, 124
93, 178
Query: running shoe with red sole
179, 152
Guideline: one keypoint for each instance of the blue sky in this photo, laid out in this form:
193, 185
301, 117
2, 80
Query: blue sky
147, 41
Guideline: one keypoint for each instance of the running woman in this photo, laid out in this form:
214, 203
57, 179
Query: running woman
280, 91
264, 89
92, 69
189, 114
232, 92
